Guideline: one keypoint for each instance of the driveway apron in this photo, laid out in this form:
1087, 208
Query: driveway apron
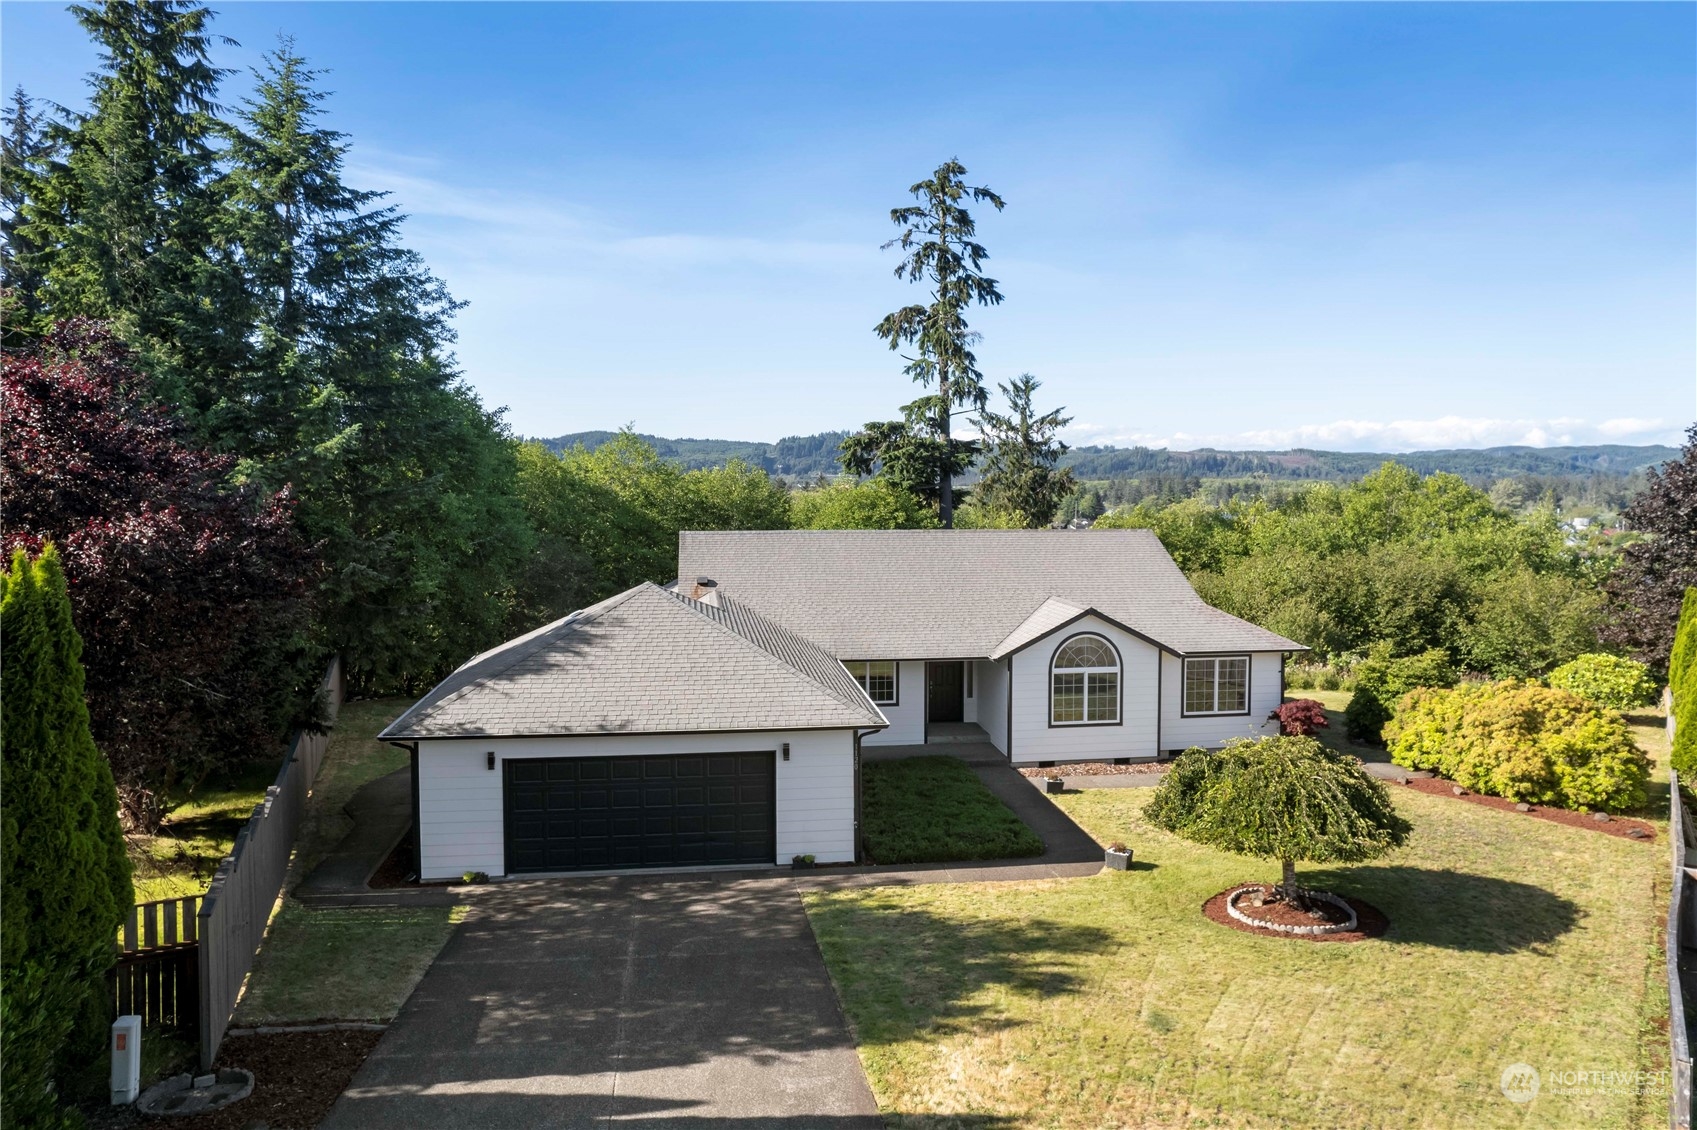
684, 1001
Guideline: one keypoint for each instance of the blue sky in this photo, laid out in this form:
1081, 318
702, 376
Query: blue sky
1367, 227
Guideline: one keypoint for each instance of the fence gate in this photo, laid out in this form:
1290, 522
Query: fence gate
157, 975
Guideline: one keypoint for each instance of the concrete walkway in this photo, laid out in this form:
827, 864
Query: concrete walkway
382, 813
661, 1002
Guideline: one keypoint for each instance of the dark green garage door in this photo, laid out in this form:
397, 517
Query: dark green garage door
577, 813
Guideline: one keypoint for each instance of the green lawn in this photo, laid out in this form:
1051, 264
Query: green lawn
179, 860
343, 964
1111, 1001
935, 810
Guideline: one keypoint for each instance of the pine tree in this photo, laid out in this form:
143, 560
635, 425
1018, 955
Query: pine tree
1021, 474
25, 154
129, 219
64, 876
351, 397
940, 250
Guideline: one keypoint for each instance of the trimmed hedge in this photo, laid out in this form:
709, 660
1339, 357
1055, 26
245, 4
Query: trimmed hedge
1606, 680
1524, 742
1380, 681
1682, 680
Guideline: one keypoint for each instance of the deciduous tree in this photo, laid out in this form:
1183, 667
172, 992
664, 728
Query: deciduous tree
1646, 589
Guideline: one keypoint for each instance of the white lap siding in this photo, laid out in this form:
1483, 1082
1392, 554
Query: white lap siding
907, 716
461, 813
992, 693
1210, 731
1033, 739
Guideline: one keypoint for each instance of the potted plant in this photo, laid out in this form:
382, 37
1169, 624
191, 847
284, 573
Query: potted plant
1054, 784
1118, 856
801, 862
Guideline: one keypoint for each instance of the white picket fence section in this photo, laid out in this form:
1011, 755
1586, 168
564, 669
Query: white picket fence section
238, 904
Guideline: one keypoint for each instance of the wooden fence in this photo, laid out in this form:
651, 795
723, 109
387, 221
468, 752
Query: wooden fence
157, 975
1682, 917
237, 905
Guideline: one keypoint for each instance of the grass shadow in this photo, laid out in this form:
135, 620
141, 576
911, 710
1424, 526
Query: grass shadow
1456, 910
904, 971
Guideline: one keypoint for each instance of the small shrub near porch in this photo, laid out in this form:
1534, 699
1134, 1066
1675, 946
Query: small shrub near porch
936, 810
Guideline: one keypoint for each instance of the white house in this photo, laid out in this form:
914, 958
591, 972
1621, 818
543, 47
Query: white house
718, 720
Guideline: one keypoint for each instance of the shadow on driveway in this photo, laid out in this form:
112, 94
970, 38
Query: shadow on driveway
680, 1002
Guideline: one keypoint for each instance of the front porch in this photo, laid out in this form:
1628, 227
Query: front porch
955, 733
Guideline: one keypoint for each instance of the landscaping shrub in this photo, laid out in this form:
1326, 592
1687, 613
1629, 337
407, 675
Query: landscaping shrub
1606, 680
1319, 677
1380, 681
1521, 741
1300, 717
1284, 798
1682, 680
64, 877
935, 809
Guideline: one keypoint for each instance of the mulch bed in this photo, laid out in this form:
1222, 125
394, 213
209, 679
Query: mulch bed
296, 1079
396, 870
1370, 920
1097, 769
1621, 826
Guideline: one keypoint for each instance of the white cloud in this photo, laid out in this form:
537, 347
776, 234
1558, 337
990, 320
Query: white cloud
1396, 435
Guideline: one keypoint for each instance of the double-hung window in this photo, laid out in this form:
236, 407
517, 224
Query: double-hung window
877, 678
1217, 685
1084, 683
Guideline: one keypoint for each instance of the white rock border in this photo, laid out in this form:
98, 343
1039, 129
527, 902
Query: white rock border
1324, 896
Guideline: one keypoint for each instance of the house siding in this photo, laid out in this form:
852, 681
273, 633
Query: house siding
460, 800
1213, 731
907, 717
1035, 740
992, 697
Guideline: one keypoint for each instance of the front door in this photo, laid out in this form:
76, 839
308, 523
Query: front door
944, 683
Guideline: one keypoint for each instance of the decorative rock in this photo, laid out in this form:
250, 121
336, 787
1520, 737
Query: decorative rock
190, 1094
1458, 791
1323, 896
1637, 834
1601, 817
1523, 807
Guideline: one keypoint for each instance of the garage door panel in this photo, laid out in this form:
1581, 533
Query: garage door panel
566, 814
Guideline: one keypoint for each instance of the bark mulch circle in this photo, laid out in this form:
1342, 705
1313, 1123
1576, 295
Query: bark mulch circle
297, 1077
1621, 826
1370, 920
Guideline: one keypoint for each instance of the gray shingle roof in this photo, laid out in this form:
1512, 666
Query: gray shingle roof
1051, 614
645, 661
956, 594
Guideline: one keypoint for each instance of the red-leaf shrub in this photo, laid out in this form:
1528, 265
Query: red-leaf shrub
1300, 717
190, 592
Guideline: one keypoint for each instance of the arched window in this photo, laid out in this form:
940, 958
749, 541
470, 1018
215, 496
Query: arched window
1084, 683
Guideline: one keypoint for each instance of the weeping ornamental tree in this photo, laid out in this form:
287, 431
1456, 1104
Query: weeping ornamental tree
939, 250
1286, 798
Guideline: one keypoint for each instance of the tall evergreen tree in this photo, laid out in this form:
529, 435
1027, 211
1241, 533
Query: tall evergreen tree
64, 876
351, 396
940, 250
1021, 474
25, 153
130, 217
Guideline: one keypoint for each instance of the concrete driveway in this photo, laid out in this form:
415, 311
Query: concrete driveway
684, 1001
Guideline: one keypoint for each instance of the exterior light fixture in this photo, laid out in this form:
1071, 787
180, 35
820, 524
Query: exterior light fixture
491, 759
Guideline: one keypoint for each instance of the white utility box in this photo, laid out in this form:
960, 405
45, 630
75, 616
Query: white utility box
126, 1059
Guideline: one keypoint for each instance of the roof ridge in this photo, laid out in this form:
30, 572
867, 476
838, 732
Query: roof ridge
572, 620
789, 668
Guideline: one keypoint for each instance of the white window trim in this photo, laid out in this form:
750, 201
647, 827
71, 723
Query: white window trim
1215, 660
1087, 672
864, 678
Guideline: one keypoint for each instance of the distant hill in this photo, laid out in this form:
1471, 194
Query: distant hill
804, 457
794, 457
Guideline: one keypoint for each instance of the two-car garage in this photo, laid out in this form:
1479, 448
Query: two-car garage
678, 810
653, 730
